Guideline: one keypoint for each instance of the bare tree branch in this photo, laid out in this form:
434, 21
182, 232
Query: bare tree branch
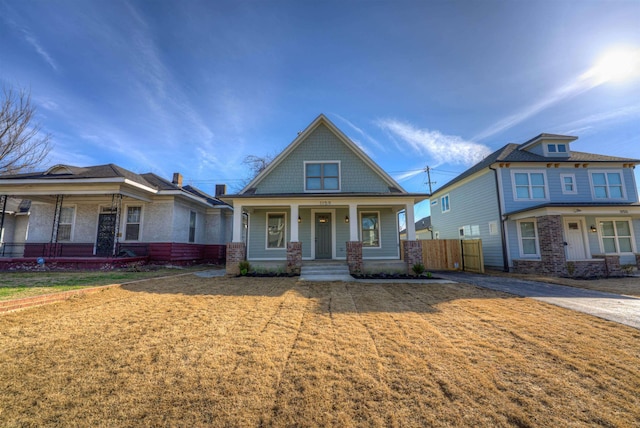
22, 146
256, 165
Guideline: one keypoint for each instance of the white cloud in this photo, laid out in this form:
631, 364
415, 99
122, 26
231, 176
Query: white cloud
30, 38
440, 147
379, 146
591, 123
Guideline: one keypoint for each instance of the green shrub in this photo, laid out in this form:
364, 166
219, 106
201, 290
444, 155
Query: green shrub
244, 267
418, 269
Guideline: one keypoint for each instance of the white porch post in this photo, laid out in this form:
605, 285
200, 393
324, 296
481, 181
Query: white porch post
353, 222
411, 222
237, 223
294, 222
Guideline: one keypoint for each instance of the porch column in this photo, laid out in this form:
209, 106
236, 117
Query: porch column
294, 223
411, 222
353, 222
3, 206
237, 223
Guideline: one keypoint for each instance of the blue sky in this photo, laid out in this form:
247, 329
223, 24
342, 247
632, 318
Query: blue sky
195, 86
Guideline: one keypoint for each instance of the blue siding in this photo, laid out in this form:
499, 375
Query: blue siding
472, 203
322, 145
554, 184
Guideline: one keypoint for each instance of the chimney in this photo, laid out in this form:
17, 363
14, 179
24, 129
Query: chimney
177, 179
221, 189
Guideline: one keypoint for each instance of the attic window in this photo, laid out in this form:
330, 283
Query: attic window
556, 148
322, 176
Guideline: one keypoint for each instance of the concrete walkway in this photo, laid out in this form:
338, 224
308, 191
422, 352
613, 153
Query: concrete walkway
613, 307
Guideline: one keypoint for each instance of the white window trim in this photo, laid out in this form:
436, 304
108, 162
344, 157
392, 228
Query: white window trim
614, 219
436, 235
304, 172
605, 172
73, 223
575, 186
266, 231
123, 229
529, 171
557, 153
442, 210
493, 225
537, 239
361, 213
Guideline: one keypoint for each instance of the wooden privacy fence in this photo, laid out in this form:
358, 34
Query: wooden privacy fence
452, 254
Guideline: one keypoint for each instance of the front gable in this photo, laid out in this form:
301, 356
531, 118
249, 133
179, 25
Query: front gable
322, 160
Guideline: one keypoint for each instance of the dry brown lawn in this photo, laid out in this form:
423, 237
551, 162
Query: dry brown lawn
244, 352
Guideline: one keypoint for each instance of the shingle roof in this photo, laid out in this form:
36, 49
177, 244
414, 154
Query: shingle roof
149, 179
512, 153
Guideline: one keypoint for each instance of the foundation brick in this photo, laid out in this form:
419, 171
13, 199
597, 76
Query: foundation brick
354, 257
294, 257
236, 252
412, 254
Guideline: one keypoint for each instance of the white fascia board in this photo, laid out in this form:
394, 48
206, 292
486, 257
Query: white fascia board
327, 202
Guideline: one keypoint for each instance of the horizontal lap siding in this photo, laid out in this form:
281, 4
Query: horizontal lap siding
473, 203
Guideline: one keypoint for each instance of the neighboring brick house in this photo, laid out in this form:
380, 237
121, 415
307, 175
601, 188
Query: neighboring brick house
322, 198
542, 207
107, 211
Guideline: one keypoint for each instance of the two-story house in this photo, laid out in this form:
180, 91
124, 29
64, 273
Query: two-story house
542, 207
321, 198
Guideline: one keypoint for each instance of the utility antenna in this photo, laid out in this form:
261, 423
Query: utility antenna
427, 169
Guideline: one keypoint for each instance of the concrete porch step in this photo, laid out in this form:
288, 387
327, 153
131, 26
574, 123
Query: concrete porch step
325, 271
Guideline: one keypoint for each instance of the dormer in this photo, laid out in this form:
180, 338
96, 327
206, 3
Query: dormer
549, 145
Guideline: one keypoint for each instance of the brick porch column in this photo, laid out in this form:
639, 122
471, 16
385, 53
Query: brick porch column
236, 253
613, 265
294, 257
412, 254
551, 240
354, 257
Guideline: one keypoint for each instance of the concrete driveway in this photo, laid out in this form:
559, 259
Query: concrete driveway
613, 307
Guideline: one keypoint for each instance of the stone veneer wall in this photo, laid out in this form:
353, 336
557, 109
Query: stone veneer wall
612, 263
236, 252
412, 254
294, 257
354, 256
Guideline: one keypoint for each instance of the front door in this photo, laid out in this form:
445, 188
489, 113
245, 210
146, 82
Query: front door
574, 235
106, 232
323, 236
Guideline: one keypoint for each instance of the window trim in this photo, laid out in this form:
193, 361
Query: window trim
573, 180
73, 224
266, 231
493, 225
377, 213
537, 239
125, 222
605, 172
192, 230
304, 172
557, 151
529, 172
599, 220
442, 205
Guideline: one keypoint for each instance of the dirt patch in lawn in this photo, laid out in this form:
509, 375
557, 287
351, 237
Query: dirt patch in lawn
627, 285
192, 351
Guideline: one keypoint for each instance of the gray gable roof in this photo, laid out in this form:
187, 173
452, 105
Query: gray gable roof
514, 153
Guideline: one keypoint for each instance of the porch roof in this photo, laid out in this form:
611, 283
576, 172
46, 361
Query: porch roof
576, 209
416, 197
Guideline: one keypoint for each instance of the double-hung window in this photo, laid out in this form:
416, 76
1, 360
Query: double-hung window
65, 225
322, 176
607, 185
568, 183
616, 236
370, 229
444, 204
529, 185
132, 227
528, 237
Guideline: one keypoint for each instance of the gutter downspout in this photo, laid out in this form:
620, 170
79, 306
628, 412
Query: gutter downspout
505, 259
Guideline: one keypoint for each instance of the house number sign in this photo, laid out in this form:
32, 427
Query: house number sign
325, 203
